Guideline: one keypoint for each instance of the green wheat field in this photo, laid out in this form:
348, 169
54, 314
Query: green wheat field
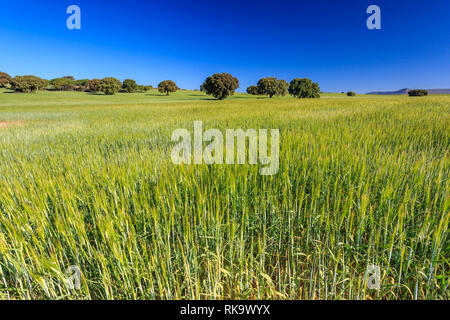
87, 180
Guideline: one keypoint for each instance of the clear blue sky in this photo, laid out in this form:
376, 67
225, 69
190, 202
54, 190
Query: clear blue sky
187, 40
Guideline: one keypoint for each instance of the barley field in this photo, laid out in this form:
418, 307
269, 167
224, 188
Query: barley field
87, 180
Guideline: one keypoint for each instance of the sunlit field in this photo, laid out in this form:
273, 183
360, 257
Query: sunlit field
87, 180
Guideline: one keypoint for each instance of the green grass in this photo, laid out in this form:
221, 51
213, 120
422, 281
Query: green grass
87, 180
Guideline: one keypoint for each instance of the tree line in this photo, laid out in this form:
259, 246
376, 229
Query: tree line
219, 85
30, 84
298, 88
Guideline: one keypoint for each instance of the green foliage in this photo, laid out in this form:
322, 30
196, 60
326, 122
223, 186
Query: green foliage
271, 86
417, 93
304, 88
167, 86
220, 85
4, 79
63, 84
110, 86
144, 88
129, 86
27, 84
283, 87
94, 85
82, 85
351, 94
253, 90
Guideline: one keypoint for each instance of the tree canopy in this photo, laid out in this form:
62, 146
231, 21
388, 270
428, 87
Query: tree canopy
27, 83
304, 88
417, 93
167, 86
94, 85
271, 86
110, 86
82, 84
253, 90
4, 79
220, 85
63, 84
144, 88
129, 85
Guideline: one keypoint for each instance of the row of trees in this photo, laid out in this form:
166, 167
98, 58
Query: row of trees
109, 86
299, 88
112, 86
219, 85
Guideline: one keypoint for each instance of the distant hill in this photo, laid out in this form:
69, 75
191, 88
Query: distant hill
406, 90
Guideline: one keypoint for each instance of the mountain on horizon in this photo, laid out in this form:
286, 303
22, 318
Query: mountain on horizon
406, 90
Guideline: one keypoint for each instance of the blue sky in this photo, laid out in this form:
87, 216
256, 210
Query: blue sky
188, 40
